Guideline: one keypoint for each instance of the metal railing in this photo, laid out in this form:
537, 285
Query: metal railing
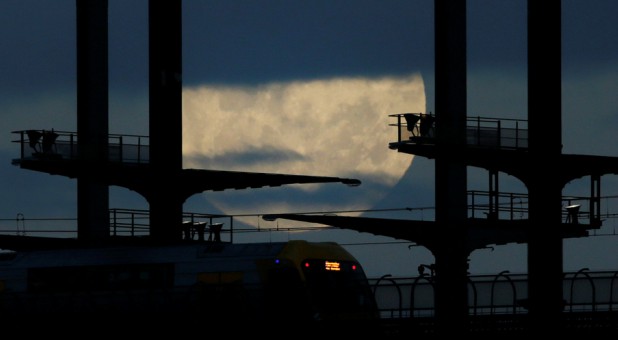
56, 145
134, 222
500, 294
497, 133
514, 206
127, 222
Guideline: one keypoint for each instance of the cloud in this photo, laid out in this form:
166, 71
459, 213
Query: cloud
247, 157
332, 127
324, 127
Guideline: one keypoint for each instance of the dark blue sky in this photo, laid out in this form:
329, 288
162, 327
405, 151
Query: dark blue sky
251, 42
254, 43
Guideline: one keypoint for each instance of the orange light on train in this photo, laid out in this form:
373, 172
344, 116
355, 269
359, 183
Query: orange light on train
331, 265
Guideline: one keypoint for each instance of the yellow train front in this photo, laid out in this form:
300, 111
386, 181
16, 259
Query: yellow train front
297, 281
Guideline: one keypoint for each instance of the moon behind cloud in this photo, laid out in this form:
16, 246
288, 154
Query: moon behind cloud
333, 127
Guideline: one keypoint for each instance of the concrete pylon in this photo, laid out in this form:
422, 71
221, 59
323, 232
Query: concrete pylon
545, 248
92, 118
451, 251
165, 119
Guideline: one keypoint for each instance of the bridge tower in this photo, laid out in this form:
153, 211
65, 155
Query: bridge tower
533, 154
153, 169
92, 118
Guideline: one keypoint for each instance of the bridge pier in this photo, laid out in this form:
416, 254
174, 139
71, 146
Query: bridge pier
545, 147
450, 249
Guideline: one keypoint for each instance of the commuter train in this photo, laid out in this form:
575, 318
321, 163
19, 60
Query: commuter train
295, 280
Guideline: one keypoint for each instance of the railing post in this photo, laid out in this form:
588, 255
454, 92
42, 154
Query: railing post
583, 271
499, 136
474, 297
413, 292
114, 223
503, 274
120, 152
71, 143
472, 203
478, 132
231, 229
387, 277
139, 150
611, 291
516, 134
22, 142
399, 128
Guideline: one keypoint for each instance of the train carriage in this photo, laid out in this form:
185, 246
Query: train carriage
294, 281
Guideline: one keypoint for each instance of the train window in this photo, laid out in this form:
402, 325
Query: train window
220, 277
100, 278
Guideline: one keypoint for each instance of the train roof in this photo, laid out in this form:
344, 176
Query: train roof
37, 251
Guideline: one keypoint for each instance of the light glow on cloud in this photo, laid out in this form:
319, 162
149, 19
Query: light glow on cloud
324, 127
335, 127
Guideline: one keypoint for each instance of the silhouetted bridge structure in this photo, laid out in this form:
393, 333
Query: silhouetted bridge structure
52, 150
531, 153
498, 303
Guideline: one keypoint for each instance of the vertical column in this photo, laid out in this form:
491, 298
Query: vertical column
165, 119
451, 179
595, 200
92, 118
545, 268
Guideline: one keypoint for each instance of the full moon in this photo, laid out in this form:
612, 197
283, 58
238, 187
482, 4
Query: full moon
332, 127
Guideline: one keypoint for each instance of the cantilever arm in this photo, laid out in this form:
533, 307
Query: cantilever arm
198, 180
221, 179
